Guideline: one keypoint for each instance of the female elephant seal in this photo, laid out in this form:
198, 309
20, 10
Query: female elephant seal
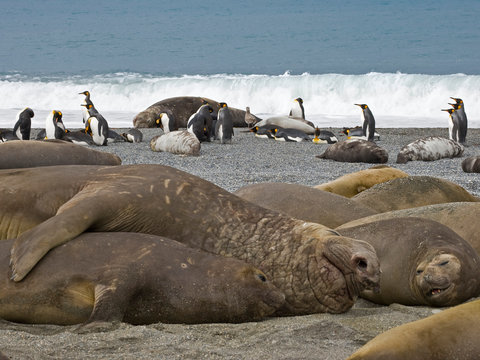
423, 262
24, 154
135, 278
305, 203
412, 191
471, 164
450, 334
354, 183
317, 269
355, 150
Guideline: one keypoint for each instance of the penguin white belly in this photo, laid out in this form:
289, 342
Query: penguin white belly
19, 134
50, 127
97, 133
166, 123
220, 133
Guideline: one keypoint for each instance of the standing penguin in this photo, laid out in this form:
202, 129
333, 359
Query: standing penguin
297, 110
166, 122
368, 122
97, 127
224, 124
200, 123
459, 107
23, 124
88, 110
54, 127
452, 125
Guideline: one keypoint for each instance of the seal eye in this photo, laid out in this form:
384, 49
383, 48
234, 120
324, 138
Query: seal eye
262, 277
419, 272
444, 263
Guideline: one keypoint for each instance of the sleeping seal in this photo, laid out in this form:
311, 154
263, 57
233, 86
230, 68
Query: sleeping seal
168, 202
471, 164
180, 142
355, 150
135, 278
430, 148
288, 122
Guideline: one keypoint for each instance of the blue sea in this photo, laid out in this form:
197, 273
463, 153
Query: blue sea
403, 58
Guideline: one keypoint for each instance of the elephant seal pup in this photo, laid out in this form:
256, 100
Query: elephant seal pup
305, 203
412, 191
135, 278
25, 154
180, 108
354, 183
471, 164
430, 148
179, 142
450, 334
287, 122
423, 262
461, 217
317, 269
355, 150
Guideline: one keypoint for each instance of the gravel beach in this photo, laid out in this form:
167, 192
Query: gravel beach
246, 161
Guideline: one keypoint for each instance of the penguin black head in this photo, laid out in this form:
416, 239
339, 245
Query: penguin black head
363, 106
57, 116
204, 102
316, 133
223, 105
86, 93
299, 100
450, 111
457, 100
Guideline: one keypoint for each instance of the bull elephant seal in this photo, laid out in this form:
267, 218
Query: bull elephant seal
423, 262
430, 148
412, 191
471, 164
305, 203
461, 217
179, 142
181, 108
99, 276
450, 334
24, 154
354, 183
164, 201
355, 150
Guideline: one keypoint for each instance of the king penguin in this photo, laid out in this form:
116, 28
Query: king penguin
54, 127
324, 137
459, 107
97, 127
200, 123
452, 125
290, 135
297, 110
224, 124
23, 124
368, 122
166, 122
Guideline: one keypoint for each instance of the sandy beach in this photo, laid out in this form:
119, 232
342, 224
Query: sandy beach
246, 161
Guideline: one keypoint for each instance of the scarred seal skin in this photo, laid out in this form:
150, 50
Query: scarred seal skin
430, 148
33, 153
180, 108
354, 183
317, 269
412, 191
423, 262
135, 278
355, 150
450, 334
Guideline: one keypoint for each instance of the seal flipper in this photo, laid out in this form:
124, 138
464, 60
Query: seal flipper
32, 245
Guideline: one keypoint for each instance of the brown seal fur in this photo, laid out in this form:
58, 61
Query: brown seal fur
33, 153
135, 278
317, 269
354, 183
412, 191
181, 108
423, 262
355, 150
471, 164
461, 217
305, 203
450, 334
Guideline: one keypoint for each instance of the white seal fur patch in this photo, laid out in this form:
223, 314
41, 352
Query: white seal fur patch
179, 142
429, 149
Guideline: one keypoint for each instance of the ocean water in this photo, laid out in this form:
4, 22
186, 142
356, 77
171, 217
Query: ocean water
405, 59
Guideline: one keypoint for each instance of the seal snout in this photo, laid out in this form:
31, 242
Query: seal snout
367, 270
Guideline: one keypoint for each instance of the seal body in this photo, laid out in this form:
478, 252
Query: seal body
412, 191
471, 164
293, 253
135, 278
430, 148
224, 125
287, 122
355, 150
352, 184
305, 203
51, 152
179, 142
23, 124
423, 262
450, 334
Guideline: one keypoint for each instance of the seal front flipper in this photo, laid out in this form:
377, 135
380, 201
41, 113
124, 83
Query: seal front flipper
72, 218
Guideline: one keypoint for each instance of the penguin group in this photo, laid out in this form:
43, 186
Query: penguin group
207, 124
458, 124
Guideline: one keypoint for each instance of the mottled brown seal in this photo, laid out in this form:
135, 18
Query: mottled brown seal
355, 150
33, 153
450, 334
135, 278
471, 164
412, 191
354, 183
180, 108
423, 262
317, 269
305, 203
430, 148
